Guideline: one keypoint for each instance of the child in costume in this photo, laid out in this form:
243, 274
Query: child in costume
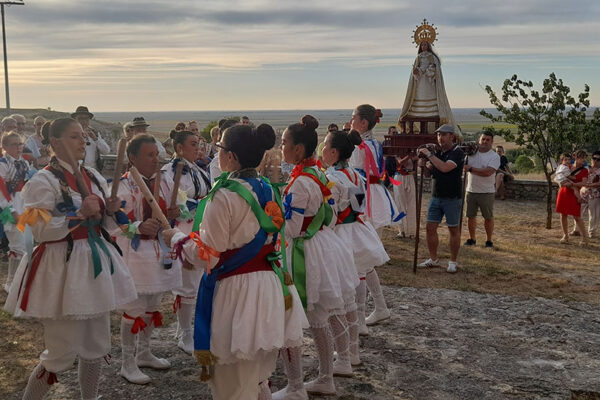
381, 210
195, 184
241, 320
147, 259
75, 276
349, 195
322, 265
14, 172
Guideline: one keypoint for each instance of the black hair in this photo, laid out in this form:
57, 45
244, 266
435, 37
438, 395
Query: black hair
55, 128
370, 113
135, 144
305, 133
344, 143
227, 123
179, 137
249, 144
487, 133
332, 127
596, 153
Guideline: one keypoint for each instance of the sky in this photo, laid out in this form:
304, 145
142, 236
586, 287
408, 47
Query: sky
279, 54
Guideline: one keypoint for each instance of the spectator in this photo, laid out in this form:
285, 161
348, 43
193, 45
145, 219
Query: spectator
34, 143
405, 196
347, 127
139, 126
245, 120
481, 169
566, 201
332, 128
503, 174
592, 195
94, 144
21, 121
392, 130
446, 167
8, 124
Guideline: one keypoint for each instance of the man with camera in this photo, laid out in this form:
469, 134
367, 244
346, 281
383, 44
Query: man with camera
94, 144
481, 168
445, 165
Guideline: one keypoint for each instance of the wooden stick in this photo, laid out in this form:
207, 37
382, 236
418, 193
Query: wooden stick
418, 198
177, 179
119, 167
157, 179
149, 198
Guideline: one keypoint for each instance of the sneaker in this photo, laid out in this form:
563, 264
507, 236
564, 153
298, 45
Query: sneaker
470, 242
489, 244
429, 263
452, 267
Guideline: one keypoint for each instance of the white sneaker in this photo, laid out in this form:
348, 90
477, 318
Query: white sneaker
452, 267
186, 341
342, 368
322, 386
429, 263
378, 316
285, 394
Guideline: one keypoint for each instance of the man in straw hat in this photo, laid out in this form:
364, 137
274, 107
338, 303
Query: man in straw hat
94, 144
445, 166
139, 126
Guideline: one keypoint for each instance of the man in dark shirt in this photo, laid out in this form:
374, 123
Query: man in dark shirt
445, 167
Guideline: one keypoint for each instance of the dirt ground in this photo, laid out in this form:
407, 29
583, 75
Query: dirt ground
519, 322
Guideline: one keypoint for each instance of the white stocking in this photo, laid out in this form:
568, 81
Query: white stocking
89, 377
39, 383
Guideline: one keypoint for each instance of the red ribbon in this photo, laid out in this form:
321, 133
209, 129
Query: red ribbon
138, 323
52, 379
156, 318
371, 169
176, 304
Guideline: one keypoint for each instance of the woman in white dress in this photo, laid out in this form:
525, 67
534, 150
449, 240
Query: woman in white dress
322, 265
195, 184
360, 236
75, 276
241, 320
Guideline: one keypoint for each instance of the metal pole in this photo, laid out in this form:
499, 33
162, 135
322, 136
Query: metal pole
5, 61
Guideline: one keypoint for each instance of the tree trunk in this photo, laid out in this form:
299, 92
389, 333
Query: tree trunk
549, 207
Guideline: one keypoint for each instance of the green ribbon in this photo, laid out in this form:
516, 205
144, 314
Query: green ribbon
323, 217
6, 216
131, 231
184, 213
95, 241
273, 258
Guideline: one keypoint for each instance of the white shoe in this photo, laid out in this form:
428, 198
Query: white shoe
452, 267
284, 394
429, 263
342, 368
131, 372
186, 341
322, 386
363, 330
149, 360
378, 316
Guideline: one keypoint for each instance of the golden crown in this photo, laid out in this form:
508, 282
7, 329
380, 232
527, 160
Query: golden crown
426, 32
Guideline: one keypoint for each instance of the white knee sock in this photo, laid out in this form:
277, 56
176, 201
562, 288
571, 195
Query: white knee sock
39, 383
89, 377
375, 289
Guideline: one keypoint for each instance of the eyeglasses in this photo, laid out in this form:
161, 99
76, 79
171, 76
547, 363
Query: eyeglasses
221, 146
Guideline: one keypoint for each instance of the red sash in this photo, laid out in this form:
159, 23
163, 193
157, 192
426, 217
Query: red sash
258, 263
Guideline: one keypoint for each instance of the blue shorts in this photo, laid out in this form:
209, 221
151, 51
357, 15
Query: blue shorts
438, 207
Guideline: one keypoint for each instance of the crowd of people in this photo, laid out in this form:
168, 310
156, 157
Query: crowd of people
256, 237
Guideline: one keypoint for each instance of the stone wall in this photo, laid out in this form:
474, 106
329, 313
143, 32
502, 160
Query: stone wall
517, 189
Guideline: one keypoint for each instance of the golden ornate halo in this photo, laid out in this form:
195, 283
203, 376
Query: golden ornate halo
424, 33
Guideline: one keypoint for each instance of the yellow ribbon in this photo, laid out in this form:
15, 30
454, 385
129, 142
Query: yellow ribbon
30, 217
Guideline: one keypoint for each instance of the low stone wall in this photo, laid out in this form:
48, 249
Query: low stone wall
517, 189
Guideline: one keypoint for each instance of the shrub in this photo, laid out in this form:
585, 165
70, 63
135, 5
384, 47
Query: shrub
523, 164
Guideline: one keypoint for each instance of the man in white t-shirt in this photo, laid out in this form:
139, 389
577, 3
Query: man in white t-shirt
482, 167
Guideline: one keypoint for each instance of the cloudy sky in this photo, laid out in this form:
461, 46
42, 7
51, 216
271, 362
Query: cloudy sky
279, 54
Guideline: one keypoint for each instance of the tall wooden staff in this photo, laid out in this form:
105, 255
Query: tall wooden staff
119, 167
157, 180
418, 198
149, 198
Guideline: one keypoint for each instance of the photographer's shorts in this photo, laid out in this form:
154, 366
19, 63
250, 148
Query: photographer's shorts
440, 206
482, 201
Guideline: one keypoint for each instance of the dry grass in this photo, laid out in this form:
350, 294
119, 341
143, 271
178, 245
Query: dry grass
528, 259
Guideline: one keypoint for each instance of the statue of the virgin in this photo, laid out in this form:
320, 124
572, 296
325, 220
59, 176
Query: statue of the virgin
426, 97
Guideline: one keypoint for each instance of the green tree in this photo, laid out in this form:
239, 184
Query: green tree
549, 121
206, 131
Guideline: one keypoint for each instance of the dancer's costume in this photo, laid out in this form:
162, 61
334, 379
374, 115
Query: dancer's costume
153, 273
241, 319
73, 279
13, 175
195, 184
323, 270
367, 158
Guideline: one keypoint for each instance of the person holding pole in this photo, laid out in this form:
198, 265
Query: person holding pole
75, 277
143, 251
445, 166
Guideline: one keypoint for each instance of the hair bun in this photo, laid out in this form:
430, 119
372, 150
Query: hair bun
265, 136
354, 137
173, 134
309, 122
46, 133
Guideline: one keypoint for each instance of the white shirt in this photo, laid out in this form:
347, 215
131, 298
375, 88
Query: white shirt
91, 147
483, 184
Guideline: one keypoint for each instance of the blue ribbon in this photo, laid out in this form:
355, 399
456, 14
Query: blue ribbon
289, 209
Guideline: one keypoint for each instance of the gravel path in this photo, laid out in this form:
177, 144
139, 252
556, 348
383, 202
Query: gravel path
439, 344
